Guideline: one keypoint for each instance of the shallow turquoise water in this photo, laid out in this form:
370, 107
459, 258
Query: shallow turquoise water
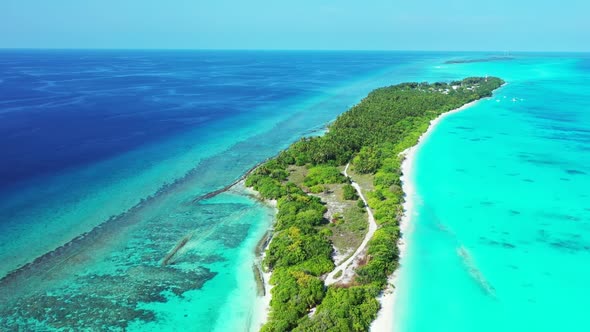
501, 236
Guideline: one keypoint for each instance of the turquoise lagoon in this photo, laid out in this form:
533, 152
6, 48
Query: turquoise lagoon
500, 236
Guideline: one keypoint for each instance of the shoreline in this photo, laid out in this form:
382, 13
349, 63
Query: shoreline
385, 320
261, 304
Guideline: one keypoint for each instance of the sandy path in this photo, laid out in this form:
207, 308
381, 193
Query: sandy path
330, 279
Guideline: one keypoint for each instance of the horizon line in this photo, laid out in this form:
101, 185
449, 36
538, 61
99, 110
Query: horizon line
277, 50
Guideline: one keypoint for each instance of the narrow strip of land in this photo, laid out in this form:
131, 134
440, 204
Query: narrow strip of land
309, 294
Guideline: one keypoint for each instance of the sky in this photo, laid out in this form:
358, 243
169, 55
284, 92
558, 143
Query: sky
461, 25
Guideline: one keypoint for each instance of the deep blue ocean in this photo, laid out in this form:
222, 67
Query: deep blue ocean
65, 109
107, 157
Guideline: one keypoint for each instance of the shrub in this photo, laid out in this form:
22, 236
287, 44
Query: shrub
323, 175
349, 193
318, 188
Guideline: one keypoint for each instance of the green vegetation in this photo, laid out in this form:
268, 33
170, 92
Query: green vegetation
349, 193
371, 135
323, 174
343, 309
360, 204
300, 250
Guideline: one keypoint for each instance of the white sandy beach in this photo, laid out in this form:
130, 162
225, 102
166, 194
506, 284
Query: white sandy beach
386, 317
261, 305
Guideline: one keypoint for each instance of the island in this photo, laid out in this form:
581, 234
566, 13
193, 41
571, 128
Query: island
488, 59
339, 202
